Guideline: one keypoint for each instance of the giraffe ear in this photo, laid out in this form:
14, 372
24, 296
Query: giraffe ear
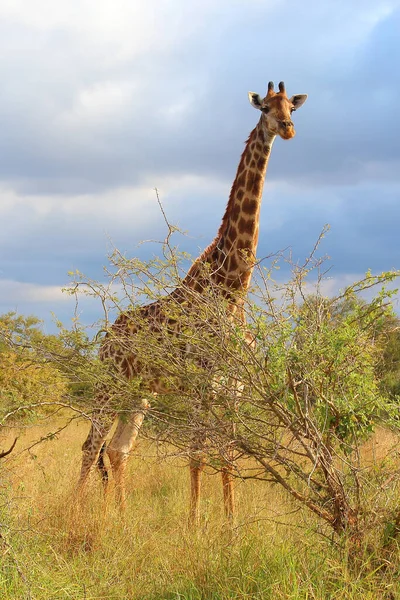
255, 100
298, 100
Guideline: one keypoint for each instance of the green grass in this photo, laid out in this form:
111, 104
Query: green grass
51, 549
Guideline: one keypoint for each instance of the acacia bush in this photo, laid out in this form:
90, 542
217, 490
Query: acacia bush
291, 399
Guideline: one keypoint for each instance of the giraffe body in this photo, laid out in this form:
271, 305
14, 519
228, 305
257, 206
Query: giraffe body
227, 263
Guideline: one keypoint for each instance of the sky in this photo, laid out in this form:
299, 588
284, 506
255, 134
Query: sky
104, 100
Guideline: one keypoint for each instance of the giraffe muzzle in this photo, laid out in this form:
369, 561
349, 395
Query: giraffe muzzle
286, 124
286, 129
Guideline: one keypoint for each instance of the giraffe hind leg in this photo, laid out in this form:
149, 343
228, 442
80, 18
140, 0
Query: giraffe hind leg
101, 465
196, 466
92, 447
228, 492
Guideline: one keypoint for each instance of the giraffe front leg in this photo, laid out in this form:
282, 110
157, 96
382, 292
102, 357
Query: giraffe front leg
118, 459
120, 448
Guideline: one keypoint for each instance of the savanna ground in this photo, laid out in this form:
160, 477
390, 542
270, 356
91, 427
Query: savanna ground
51, 550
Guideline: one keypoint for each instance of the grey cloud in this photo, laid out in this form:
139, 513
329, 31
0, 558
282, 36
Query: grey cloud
361, 237
213, 68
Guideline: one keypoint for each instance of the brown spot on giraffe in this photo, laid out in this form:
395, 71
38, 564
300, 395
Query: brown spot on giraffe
242, 225
215, 255
227, 245
250, 181
219, 277
125, 367
198, 286
260, 163
250, 227
249, 205
241, 180
233, 263
236, 210
242, 246
232, 233
254, 182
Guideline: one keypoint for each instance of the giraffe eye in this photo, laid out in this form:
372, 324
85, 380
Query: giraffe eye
292, 109
265, 110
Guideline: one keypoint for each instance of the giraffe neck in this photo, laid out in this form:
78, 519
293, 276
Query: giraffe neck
231, 254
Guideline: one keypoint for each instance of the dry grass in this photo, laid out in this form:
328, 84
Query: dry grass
52, 549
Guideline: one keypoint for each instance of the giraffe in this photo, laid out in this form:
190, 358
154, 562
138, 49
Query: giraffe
229, 260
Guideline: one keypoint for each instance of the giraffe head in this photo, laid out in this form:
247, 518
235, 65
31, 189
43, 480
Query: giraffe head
277, 109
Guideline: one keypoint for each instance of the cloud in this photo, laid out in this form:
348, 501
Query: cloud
49, 303
40, 300
48, 235
361, 217
17, 292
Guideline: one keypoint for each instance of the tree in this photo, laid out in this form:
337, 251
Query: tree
28, 375
293, 397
